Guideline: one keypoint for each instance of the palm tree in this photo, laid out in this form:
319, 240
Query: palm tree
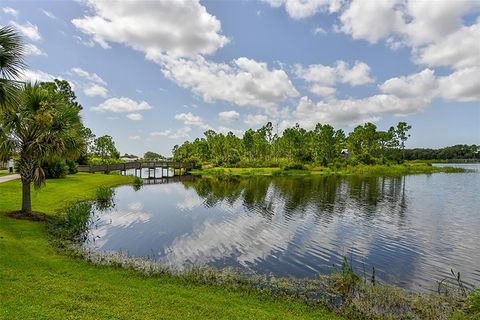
11, 65
39, 126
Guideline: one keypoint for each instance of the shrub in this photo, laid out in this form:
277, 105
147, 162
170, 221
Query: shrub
72, 167
55, 168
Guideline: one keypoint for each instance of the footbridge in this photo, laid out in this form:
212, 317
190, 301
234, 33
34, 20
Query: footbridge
179, 168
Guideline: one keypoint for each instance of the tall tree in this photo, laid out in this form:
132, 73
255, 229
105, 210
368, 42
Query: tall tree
104, 147
11, 65
38, 127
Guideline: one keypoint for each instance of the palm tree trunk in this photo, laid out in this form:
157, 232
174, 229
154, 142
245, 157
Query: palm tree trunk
26, 200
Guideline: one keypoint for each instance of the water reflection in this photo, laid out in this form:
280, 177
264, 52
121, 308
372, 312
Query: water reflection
413, 229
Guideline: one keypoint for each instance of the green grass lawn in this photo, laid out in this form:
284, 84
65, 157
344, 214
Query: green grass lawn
39, 282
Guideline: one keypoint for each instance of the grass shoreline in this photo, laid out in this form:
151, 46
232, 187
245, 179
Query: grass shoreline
388, 170
369, 302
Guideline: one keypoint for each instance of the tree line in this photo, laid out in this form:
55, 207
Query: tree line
323, 145
456, 152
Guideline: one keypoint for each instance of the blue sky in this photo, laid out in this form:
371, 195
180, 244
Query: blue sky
155, 73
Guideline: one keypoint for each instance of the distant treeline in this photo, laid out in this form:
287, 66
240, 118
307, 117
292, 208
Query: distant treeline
323, 145
456, 152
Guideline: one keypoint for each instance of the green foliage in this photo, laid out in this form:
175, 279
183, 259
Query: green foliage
77, 217
55, 168
474, 304
149, 155
321, 146
104, 148
104, 196
137, 183
39, 127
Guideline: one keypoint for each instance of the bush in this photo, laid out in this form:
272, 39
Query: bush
72, 167
55, 168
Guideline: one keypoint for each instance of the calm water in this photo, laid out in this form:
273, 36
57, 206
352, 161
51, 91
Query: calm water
412, 229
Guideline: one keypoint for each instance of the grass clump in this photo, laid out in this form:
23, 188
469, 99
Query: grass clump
104, 197
137, 183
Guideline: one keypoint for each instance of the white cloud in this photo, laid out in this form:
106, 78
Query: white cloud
28, 30
122, 104
319, 30
323, 78
178, 28
460, 49
399, 96
180, 133
33, 50
322, 91
95, 90
462, 85
301, 9
371, 20
229, 116
255, 120
89, 76
134, 116
10, 11
161, 133
134, 137
244, 82
49, 14
434, 30
36, 76
190, 119
422, 83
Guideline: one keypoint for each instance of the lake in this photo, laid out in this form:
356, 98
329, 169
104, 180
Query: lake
413, 229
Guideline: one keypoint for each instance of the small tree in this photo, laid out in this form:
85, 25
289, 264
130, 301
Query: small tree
37, 128
104, 147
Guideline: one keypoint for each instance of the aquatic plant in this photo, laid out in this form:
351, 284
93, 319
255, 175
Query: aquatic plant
137, 183
104, 197
77, 217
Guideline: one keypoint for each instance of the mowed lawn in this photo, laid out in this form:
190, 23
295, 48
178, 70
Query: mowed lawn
38, 282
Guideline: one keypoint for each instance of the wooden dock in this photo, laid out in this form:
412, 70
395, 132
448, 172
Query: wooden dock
179, 168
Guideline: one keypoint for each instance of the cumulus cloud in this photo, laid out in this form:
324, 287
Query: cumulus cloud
300, 9
255, 119
10, 11
176, 134
122, 104
192, 120
244, 82
178, 28
460, 49
229, 116
89, 76
323, 78
135, 116
28, 30
418, 84
33, 50
462, 85
399, 96
95, 90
